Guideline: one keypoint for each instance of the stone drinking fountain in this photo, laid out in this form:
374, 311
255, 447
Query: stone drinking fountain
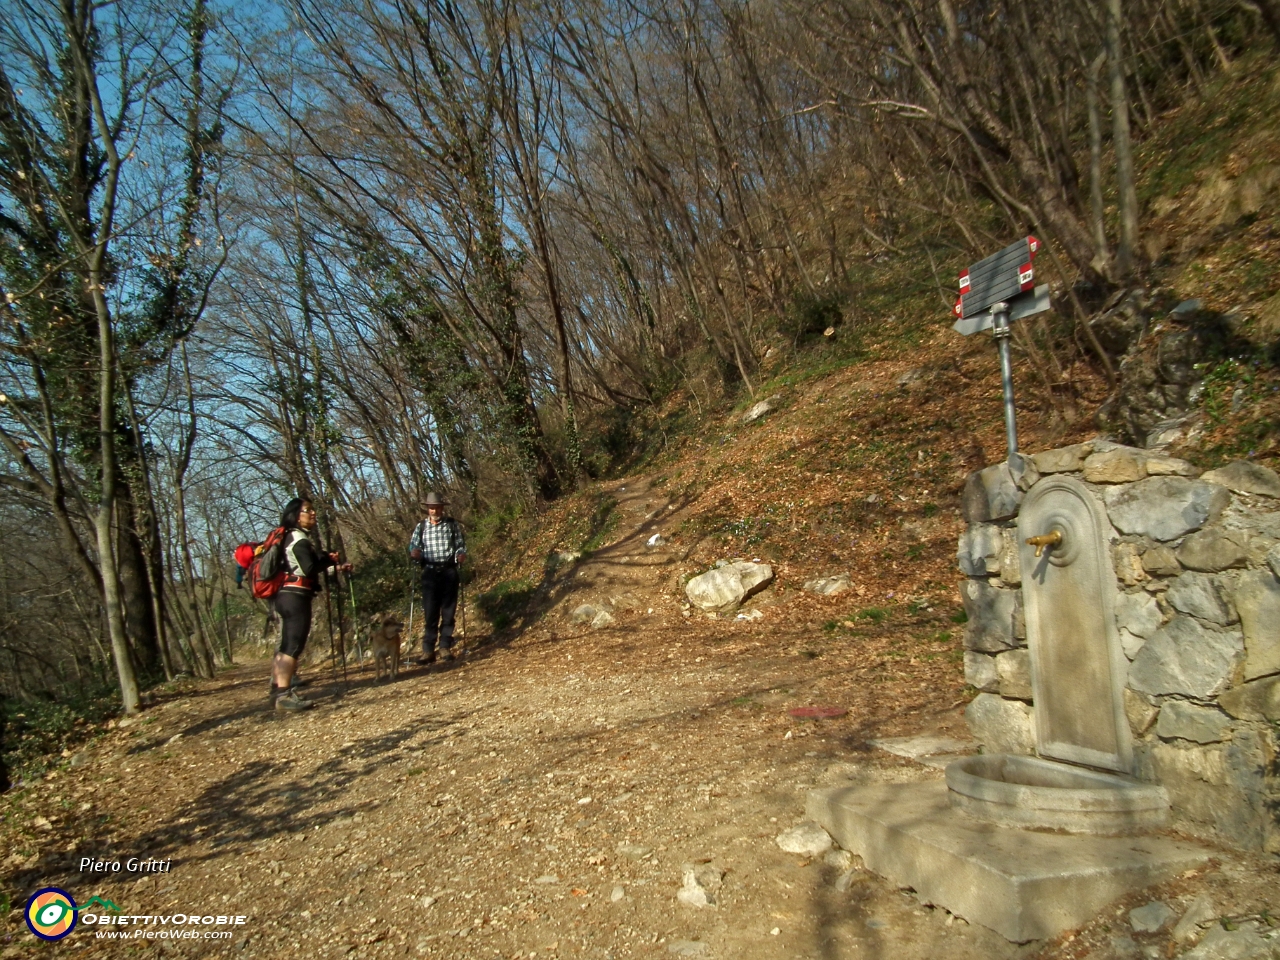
1080, 781
1029, 845
1122, 636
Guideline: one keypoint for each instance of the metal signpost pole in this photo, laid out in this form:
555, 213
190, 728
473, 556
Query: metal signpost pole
994, 292
1001, 330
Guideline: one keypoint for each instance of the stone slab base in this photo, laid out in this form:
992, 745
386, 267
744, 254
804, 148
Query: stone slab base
1024, 884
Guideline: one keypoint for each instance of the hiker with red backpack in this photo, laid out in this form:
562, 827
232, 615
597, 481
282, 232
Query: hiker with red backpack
297, 581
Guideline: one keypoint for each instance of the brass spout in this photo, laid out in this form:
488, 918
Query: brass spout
1051, 539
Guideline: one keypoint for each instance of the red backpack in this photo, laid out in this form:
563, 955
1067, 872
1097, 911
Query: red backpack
263, 563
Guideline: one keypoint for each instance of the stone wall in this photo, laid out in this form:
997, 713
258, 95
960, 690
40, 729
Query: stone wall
1197, 564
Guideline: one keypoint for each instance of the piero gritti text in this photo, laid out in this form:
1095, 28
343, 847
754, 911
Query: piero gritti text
132, 865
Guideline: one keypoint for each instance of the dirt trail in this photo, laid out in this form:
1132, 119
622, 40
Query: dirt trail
538, 798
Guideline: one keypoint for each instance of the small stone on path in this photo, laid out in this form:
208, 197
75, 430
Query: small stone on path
829, 586
687, 948
807, 839
1150, 918
1244, 943
700, 885
842, 860
1201, 910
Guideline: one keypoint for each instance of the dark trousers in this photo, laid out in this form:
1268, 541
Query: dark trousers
294, 609
439, 604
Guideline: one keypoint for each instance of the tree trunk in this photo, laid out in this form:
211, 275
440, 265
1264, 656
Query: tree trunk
1126, 253
1096, 205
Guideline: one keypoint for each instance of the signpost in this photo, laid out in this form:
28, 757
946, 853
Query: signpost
993, 293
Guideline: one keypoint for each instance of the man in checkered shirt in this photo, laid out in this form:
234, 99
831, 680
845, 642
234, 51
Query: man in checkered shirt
438, 547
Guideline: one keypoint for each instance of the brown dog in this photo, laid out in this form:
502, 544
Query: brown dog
384, 646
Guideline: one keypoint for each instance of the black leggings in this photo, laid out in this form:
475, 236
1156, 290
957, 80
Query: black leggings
294, 608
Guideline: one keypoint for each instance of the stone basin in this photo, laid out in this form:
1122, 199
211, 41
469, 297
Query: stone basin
1031, 792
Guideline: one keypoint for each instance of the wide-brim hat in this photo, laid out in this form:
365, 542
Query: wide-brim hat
434, 499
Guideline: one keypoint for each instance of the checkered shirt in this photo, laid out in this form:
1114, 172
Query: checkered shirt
439, 542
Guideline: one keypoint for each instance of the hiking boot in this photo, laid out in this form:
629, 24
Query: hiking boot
448, 654
426, 659
291, 701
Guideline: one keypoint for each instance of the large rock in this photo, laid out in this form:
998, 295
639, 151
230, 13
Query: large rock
1010, 562
1130, 643
806, 838
1161, 561
1127, 559
596, 616
1121, 465
1138, 613
1202, 595
1165, 508
1257, 599
1217, 787
758, 410
978, 553
1013, 667
830, 586
1177, 430
1258, 700
1003, 726
1062, 460
990, 494
980, 671
992, 616
1187, 659
721, 590
1245, 477
1140, 712
1190, 721
1212, 550
1158, 466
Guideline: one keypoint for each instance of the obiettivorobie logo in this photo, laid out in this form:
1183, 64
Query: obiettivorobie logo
51, 913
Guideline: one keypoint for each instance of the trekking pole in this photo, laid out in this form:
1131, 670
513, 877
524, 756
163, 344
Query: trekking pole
411, 596
462, 608
342, 634
355, 619
328, 619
